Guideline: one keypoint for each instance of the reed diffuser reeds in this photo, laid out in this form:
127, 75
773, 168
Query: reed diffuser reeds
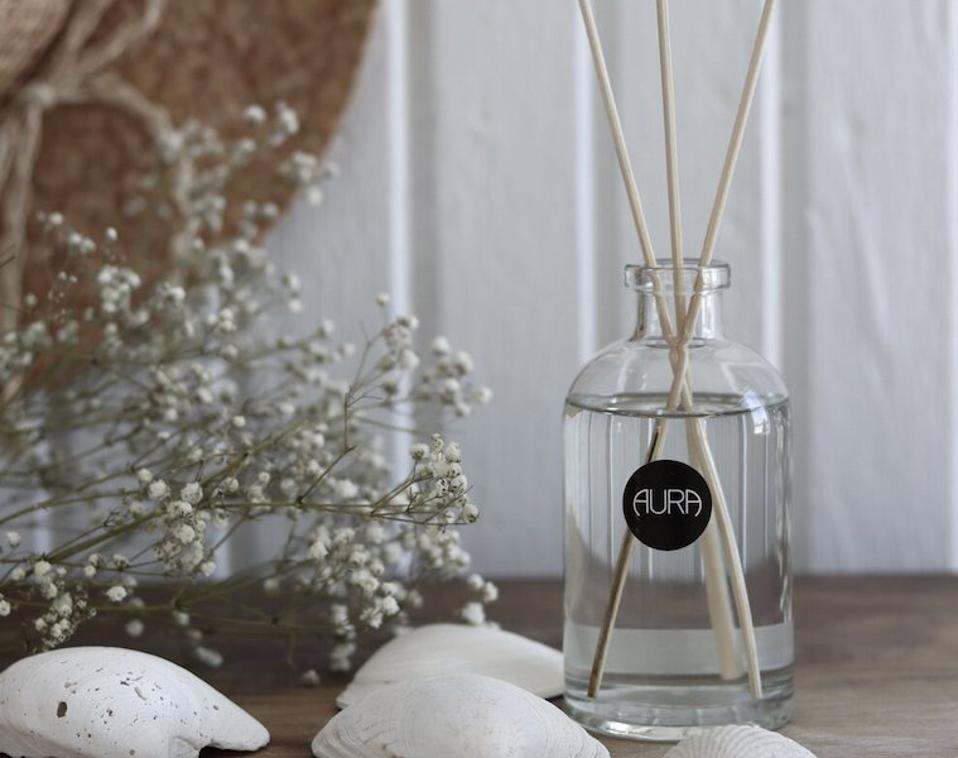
720, 553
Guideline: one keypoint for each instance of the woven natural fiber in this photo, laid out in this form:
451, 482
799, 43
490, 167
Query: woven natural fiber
204, 60
207, 61
26, 28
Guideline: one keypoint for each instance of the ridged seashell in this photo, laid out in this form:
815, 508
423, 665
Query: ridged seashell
459, 649
458, 715
115, 703
738, 742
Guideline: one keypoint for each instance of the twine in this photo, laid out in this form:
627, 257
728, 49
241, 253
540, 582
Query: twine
74, 71
26, 29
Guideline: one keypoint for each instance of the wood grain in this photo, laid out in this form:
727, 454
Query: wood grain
877, 670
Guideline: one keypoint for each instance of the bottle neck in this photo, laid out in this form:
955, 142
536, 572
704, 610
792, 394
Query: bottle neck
708, 322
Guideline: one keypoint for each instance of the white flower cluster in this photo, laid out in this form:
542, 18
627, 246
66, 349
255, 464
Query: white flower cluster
182, 550
195, 423
438, 478
66, 610
447, 381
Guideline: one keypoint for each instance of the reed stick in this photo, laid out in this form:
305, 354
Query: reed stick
719, 607
671, 158
622, 157
679, 388
680, 382
716, 587
680, 391
731, 156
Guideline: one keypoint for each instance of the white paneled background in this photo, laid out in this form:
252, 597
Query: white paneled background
478, 186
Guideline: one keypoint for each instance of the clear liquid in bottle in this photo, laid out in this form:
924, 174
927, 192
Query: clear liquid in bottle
662, 672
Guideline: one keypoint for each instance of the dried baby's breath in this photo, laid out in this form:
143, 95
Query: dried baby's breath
167, 422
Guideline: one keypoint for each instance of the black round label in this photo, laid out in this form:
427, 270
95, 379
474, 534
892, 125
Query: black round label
667, 504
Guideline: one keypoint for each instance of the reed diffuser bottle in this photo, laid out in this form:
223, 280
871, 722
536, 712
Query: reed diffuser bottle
677, 577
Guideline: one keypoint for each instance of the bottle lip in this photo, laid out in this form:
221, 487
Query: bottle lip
717, 275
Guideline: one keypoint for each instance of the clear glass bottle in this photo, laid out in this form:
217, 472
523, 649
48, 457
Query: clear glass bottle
676, 657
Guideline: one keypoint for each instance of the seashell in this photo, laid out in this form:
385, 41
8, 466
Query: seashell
455, 715
111, 702
457, 648
738, 742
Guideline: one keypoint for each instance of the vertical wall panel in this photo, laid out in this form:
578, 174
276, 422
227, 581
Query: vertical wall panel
952, 156
500, 213
495, 212
867, 179
478, 183
342, 249
711, 46
797, 271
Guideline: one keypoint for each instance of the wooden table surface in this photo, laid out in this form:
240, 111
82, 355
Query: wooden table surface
876, 672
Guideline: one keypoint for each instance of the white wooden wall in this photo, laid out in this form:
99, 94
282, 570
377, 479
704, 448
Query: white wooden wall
478, 185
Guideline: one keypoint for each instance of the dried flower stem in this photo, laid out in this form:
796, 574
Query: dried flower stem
161, 459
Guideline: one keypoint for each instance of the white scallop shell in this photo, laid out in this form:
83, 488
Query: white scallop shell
458, 715
111, 702
459, 649
738, 742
